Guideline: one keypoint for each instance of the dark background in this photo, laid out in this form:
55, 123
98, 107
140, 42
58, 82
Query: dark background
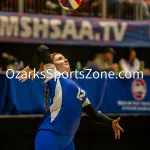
19, 134
72, 53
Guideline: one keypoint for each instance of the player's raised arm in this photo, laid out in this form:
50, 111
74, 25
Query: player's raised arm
41, 55
101, 118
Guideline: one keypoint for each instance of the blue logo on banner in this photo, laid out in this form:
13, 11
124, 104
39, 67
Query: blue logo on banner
139, 89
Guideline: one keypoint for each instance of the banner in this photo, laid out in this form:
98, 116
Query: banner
111, 96
21, 97
127, 96
50, 29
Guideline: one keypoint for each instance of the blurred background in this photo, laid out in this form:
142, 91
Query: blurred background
102, 35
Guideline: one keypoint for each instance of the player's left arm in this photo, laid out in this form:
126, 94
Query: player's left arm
101, 118
41, 55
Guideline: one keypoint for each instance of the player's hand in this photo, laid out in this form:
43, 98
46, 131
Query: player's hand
116, 127
25, 74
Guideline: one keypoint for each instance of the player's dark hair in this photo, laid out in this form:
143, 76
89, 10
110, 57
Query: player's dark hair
47, 89
46, 97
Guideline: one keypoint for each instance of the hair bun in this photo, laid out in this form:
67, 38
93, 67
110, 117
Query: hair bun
42, 48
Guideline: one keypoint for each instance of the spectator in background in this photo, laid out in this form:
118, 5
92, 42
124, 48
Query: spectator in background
11, 67
3, 63
146, 9
129, 10
130, 63
122, 9
114, 8
104, 61
10, 62
97, 7
96, 3
1, 69
51, 5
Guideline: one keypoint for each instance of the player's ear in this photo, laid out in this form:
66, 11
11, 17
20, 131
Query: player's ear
41, 69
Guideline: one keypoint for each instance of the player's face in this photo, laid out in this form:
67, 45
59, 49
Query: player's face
61, 63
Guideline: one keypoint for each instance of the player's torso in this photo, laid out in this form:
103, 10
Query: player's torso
66, 106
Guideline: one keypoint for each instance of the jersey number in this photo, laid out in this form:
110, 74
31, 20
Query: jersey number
81, 94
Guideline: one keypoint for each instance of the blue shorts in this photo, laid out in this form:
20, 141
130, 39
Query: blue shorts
49, 140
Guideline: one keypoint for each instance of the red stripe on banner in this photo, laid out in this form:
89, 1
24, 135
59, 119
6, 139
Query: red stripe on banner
78, 1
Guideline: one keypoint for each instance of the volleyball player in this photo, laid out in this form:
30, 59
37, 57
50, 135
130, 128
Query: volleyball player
66, 103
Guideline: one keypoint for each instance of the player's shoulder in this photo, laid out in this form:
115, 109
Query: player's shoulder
69, 82
72, 84
79, 87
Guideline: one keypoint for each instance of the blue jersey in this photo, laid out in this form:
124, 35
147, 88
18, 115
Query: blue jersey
66, 102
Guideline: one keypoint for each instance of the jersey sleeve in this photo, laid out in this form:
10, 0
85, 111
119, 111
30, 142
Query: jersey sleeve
82, 96
86, 102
